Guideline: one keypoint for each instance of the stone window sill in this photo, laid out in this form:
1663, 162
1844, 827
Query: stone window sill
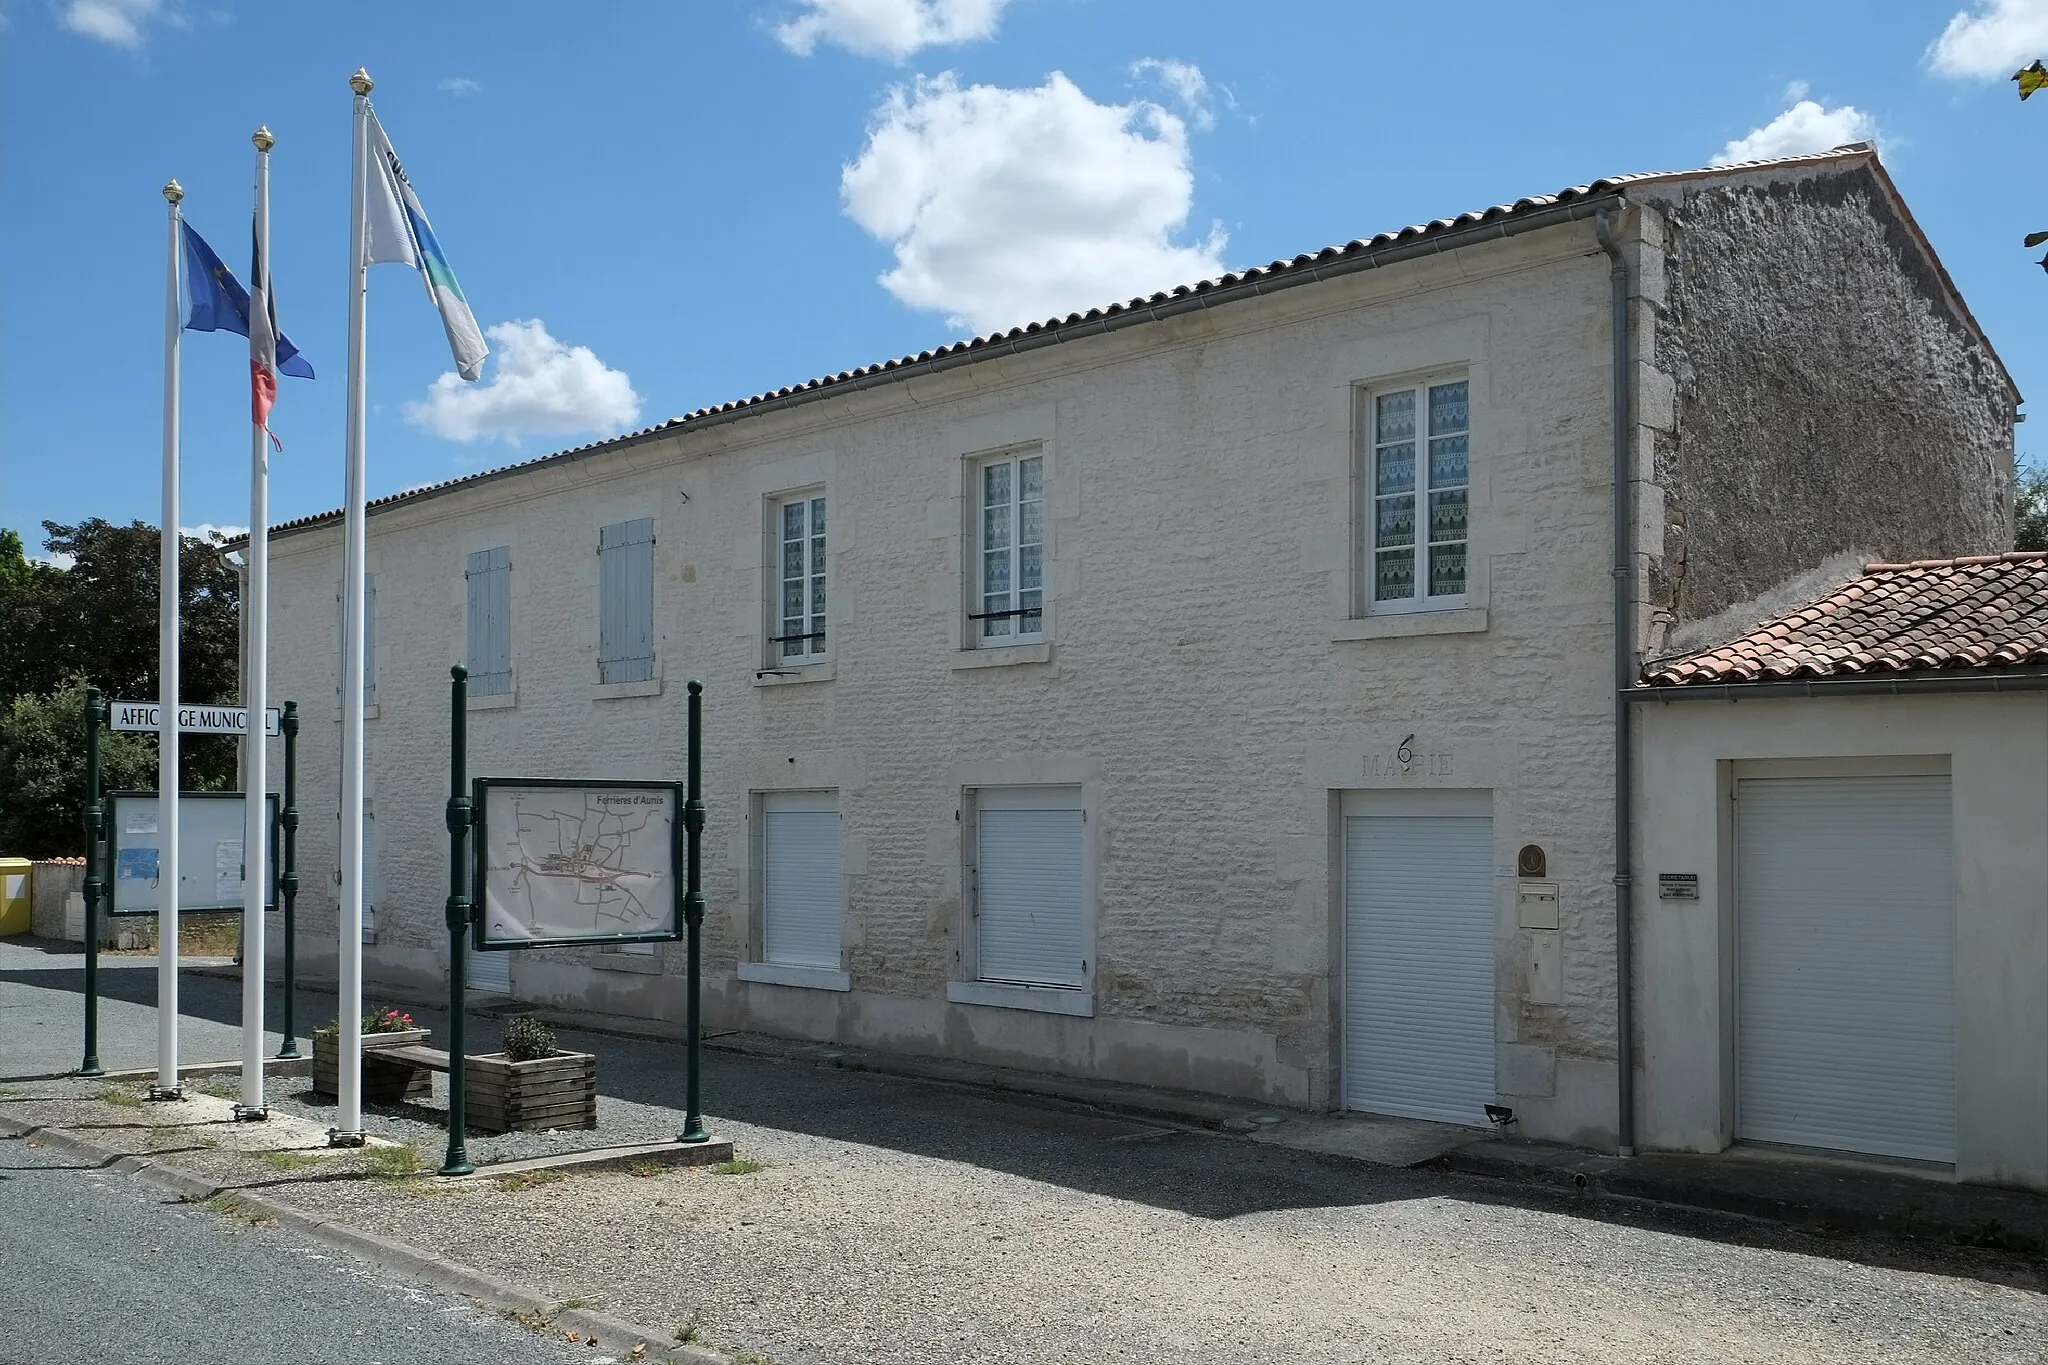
1044, 999
494, 701
996, 656
614, 691
1402, 624
807, 673
809, 978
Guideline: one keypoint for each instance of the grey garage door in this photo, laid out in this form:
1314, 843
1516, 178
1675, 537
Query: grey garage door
1419, 958
1845, 924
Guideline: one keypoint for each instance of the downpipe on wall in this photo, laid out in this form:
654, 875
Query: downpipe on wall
1624, 677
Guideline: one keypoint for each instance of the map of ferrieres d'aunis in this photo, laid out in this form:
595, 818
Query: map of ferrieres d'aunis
577, 863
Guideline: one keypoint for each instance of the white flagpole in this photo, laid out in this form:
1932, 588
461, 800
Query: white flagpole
256, 612
348, 1130
169, 541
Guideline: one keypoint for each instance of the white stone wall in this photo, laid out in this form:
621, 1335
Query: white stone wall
1203, 681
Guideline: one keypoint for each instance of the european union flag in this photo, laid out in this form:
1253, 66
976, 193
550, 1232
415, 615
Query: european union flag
220, 304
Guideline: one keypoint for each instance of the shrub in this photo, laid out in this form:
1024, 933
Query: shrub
527, 1039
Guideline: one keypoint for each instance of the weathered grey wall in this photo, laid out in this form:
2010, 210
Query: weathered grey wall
1821, 370
54, 881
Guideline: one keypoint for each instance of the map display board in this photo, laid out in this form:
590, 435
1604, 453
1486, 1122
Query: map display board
210, 862
563, 862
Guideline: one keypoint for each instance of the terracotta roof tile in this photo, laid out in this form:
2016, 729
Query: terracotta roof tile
1979, 611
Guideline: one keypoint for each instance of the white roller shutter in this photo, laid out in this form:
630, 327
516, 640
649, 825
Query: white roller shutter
1028, 882
489, 973
800, 880
1845, 915
1419, 928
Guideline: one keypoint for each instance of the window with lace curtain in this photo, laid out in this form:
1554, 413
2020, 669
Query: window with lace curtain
1414, 482
1009, 553
798, 581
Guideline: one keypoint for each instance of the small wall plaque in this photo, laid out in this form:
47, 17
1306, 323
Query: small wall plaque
1532, 862
1678, 886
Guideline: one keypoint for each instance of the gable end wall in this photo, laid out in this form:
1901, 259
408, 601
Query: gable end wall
1828, 398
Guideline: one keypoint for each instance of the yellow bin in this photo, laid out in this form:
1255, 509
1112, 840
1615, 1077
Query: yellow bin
17, 876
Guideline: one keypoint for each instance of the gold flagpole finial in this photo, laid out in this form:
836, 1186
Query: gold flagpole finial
262, 138
174, 192
361, 82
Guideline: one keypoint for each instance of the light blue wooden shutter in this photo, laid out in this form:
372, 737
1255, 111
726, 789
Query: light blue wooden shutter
490, 622
625, 649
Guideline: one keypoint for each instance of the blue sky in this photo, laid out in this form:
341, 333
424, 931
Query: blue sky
667, 205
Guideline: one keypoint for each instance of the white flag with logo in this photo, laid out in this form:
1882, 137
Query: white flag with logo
396, 231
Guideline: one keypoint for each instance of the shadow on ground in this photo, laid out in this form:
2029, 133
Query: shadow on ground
1198, 1173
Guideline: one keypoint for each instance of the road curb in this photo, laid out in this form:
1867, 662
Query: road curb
399, 1258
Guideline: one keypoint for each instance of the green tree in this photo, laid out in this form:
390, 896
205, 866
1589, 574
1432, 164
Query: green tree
42, 754
2030, 509
97, 618
89, 615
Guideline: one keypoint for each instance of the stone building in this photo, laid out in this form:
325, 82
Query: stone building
1217, 690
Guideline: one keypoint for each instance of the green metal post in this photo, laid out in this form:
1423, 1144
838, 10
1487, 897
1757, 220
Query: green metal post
288, 879
693, 919
458, 920
95, 823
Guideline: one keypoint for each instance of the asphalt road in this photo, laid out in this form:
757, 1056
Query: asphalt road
42, 1015
102, 1267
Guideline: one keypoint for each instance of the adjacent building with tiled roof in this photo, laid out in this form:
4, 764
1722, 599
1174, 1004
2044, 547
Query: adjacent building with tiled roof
1844, 868
1980, 612
1170, 693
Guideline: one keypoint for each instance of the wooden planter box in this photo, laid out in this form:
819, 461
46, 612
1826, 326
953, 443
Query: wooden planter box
547, 1092
383, 1082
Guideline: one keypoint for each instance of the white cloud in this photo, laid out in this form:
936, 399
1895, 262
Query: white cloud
111, 21
538, 387
1991, 40
889, 28
56, 559
1805, 127
1009, 206
206, 530
1187, 83
461, 85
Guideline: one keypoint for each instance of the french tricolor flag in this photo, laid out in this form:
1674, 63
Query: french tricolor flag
263, 336
219, 303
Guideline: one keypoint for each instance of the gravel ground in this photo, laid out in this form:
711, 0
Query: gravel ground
897, 1221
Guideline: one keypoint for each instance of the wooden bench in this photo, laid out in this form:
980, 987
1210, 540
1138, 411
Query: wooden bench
415, 1055
549, 1092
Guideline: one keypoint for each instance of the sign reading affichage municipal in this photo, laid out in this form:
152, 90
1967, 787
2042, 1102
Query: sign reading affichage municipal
194, 720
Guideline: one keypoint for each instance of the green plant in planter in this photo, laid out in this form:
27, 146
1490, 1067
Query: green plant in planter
528, 1039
